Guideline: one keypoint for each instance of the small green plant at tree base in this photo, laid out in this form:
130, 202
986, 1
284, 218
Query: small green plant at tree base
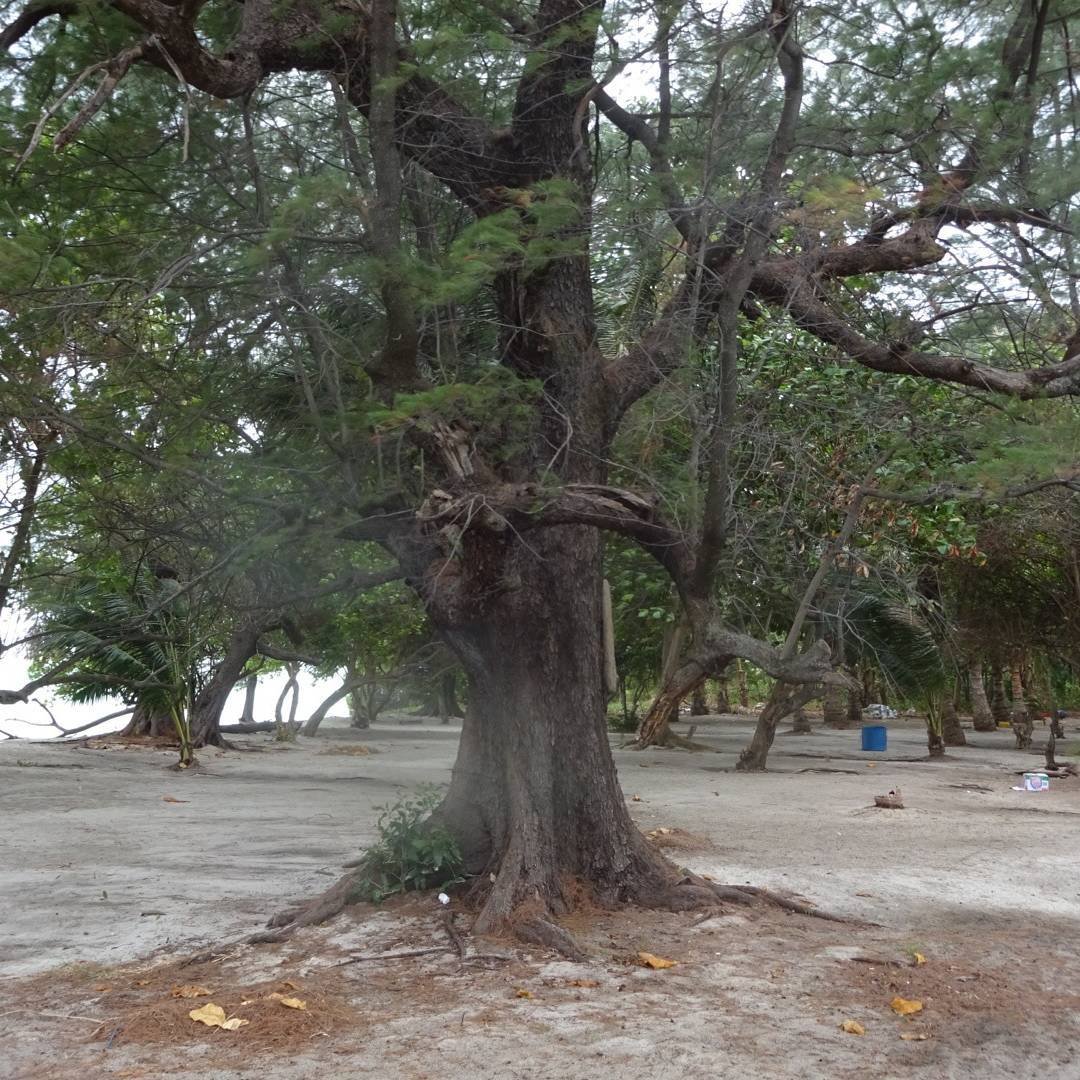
410, 854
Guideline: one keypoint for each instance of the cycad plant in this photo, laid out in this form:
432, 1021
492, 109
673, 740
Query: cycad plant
899, 634
138, 648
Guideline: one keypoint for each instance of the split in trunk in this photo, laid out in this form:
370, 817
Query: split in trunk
150, 719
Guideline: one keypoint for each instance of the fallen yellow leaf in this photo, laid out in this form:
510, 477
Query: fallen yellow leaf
169, 798
292, 1003
190, 991
914, 1036
214, 1016
918, 958
523, 994
210, 1014
904, 1006
590, 983
289, 984
102, 987
657, 962
853, 1027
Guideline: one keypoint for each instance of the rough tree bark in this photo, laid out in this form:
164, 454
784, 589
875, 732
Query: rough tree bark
952, 733
801, 723
1022, 725
834, 707
981, 716
999, 703
148, 720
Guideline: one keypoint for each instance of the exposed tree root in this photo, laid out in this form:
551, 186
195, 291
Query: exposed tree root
543, 932
324, 906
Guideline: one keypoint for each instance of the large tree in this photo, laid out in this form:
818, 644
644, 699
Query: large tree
827, 191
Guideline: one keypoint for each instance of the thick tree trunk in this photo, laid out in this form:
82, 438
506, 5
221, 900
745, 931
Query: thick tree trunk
698, 705
146, 720
1021, 718
210, 703
783, 699
952, 734
801, 725
834, 707
534, 796
981, 716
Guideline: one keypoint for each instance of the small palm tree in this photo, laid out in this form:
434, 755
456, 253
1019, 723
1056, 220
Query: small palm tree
137, 648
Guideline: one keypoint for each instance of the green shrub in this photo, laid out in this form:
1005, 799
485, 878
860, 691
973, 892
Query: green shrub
410, 854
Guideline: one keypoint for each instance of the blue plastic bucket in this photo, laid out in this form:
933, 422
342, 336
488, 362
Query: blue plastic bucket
874, 737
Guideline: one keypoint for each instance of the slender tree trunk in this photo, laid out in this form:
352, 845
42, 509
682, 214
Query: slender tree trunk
801, 725
854, 708
935, 743
783, 699
251, 685
1021, 717
999, 706
448, 702
981, 716
210, 703
20, 537
952, 733
723, 702
741, 683
698, 705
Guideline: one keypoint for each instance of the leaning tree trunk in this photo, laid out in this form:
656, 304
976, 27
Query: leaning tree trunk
148, 720
1021, 717
311, 724
210, 703
981, 717
952, 734
783, 699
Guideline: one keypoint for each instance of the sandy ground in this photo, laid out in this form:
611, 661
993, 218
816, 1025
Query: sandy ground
100, 868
